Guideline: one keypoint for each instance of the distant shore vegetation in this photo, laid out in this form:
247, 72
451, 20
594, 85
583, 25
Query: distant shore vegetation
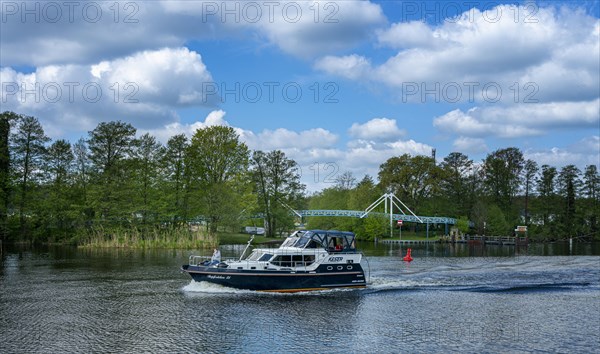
116, 188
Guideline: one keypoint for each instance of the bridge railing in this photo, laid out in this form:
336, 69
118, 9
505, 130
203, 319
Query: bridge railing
361, 213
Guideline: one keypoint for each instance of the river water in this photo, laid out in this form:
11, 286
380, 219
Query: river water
449, 299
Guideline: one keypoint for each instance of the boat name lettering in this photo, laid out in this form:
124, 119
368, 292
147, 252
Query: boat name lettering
335, 259
218, 277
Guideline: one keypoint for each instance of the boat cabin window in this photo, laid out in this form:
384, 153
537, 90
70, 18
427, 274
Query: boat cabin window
265, 257
282, 261
336, 244
293, 261
340, 242
309, 259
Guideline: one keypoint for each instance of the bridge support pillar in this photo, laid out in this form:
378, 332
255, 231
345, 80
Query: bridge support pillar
446, 228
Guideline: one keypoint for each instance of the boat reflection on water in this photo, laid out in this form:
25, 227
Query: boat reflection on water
305, 261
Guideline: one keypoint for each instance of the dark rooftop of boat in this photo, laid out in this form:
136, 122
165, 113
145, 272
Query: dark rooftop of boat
331, 240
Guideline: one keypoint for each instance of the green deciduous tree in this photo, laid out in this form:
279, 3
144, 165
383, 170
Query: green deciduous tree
59, 165
591, 185
497, 224
175, 177
110, 144
345, 181
81, 181
146, 158
5, 184
412, 179
568, 187
216, 159
545, 206
454, 184
502, 177
60, 162
333, 198
364, 194
375, 226
529, 172
28, 146
361, 197
591, 192
278, 188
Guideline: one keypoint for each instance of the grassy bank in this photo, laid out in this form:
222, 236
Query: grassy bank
181, 238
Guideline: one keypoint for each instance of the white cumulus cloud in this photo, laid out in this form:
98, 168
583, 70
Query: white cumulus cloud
144, 88
283, 139
520, 120
350, 67
309, 28
583, 153
469, 145
377, 129
108, 30
552, 58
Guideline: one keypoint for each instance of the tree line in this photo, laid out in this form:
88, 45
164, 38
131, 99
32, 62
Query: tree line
491, 197
112, 179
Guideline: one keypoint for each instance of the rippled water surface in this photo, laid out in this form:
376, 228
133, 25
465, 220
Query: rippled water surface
450, 299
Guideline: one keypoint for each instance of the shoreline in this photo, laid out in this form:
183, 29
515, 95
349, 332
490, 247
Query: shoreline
138, 246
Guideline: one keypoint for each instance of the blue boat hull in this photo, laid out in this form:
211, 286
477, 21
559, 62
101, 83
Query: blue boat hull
338, 276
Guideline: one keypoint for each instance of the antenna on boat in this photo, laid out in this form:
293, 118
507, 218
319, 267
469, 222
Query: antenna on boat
247, 246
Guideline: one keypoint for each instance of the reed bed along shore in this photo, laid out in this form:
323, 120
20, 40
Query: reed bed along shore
181, 237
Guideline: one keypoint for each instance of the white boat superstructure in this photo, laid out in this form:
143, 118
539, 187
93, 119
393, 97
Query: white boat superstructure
306, 260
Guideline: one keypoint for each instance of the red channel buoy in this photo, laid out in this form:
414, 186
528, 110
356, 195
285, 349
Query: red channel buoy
408, 258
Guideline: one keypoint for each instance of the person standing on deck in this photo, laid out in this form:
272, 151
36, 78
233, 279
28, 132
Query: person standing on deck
216, 257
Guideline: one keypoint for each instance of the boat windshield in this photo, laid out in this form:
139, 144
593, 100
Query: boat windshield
289, 242
295, 239
330, 240
302, 241
333, 240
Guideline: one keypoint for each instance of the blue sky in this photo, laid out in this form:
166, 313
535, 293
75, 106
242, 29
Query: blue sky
338, 86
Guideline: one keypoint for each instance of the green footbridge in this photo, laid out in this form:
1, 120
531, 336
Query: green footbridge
362, 214
390, 203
